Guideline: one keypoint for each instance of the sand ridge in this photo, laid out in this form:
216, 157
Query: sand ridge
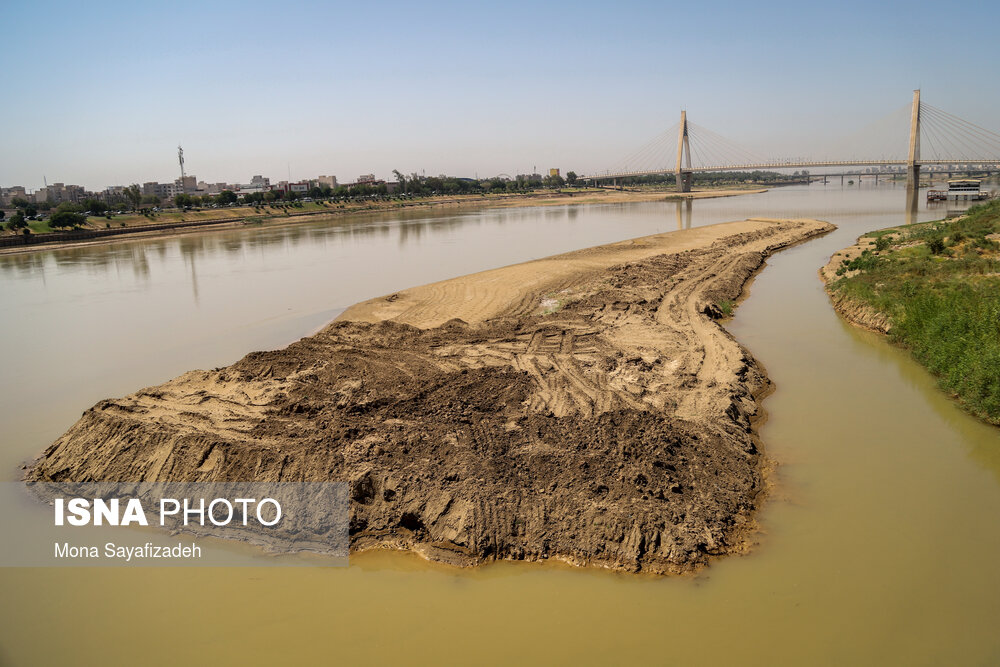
516, 289
587, 407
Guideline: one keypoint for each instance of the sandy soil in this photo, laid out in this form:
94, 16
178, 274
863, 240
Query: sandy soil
241, 217
586, 407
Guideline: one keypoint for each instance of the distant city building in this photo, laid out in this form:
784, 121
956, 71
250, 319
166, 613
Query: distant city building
60, 192
367, 180
212, 188
257, 184
299, 188
161, 190
187, 185
113, 194
7, 194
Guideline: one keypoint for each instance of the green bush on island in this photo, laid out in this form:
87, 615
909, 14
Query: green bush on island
939, 283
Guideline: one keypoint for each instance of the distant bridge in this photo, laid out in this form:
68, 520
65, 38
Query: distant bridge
955, 142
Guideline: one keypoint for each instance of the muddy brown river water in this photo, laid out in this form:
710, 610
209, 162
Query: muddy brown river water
879, 543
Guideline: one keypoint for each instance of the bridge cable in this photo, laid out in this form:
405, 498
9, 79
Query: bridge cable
984, 134
971, 136
878, 137
726, 150
964, 138
623, 164
637, 160
963, 143
952, 143
930, 136
948, 138
938, 136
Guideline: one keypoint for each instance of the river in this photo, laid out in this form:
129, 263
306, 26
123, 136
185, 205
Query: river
879, 542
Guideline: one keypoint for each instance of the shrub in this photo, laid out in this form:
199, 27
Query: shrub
866, 261
66, 219
17, 221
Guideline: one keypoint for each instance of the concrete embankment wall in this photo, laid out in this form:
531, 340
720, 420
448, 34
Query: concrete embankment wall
82, 234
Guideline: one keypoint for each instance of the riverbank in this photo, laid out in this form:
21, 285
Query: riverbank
933, 288
171, 224
586, 407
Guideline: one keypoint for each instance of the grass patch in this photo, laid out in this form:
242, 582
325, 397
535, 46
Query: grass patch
939, 283
40, 226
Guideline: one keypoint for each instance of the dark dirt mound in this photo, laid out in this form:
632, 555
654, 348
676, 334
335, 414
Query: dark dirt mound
614, 431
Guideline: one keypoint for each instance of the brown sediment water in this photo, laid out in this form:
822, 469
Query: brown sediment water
878, 541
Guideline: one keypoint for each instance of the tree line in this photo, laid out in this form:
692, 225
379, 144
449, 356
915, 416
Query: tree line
69, 214
717, 178
66, 214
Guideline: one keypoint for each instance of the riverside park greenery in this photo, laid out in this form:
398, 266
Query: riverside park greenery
939, 284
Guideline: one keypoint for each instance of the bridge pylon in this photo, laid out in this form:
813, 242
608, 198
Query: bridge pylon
683, 156
913, 158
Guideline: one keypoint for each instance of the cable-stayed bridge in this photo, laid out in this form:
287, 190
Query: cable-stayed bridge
936, 137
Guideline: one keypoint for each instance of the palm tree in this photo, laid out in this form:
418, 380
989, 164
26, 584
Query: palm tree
134, 195
401, 179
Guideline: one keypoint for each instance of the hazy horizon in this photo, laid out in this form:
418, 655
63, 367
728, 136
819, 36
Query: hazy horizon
105, 92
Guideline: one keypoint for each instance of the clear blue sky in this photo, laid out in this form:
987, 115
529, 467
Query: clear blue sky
100, 93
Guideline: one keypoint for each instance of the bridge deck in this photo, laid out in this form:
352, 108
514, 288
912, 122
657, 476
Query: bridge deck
792, 165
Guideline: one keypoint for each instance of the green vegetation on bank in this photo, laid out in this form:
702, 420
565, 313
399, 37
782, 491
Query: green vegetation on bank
68, 217
939, 283
720, 178
130, 206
